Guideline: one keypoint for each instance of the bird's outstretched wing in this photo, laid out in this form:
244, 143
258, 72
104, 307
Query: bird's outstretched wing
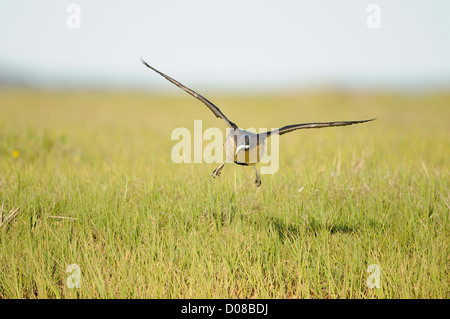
290, 128
211, 106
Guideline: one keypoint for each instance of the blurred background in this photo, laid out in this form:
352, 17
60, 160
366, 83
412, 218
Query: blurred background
226, 46
87, 176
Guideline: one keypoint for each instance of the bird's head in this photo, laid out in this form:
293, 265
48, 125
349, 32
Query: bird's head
243, 143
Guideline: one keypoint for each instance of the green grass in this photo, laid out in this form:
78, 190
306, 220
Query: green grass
144, 227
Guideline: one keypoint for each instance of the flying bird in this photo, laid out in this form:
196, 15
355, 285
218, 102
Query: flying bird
244, 147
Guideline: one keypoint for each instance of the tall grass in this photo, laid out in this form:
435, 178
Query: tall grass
89, 180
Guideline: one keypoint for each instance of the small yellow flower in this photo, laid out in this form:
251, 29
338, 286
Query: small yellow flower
16, 154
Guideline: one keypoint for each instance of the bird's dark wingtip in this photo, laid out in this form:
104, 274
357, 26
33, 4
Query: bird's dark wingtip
143, 62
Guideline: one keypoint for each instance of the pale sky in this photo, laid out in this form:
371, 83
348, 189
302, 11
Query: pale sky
227, 44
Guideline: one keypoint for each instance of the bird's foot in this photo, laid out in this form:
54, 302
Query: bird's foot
217, 172
258, 181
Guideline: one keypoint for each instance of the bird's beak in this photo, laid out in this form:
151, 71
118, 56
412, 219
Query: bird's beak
240, 148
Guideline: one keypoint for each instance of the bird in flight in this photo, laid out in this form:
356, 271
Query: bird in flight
244, 147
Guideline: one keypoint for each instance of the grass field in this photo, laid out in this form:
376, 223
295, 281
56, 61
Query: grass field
86, 178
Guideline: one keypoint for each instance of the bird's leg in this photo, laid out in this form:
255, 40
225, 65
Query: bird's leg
258, 178
218, 170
